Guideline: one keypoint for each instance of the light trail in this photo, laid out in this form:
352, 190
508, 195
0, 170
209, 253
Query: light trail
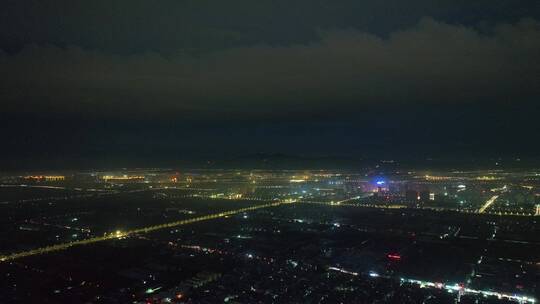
464, 290
457, 288
340, 203
34, 186
120, 234
488, 204
348, 200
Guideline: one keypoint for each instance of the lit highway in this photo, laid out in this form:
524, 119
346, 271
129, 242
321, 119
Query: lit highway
123, 234
451, 288
347, 203
488, 204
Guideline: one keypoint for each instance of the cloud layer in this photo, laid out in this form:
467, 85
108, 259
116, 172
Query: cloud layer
430, 62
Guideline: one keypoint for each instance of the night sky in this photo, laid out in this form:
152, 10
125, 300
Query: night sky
142, 83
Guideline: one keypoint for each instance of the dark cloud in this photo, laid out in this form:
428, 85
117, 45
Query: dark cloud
431, 62
141, 80
134, 26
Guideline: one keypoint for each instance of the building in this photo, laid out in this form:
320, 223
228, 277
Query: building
424, 196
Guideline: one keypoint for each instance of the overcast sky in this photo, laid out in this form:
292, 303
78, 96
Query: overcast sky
176, 78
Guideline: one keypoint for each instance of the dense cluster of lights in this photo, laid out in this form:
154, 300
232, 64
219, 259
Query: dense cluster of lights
297, 180
46, 177
458, 288
437, 178
488, 178
341, 203
122, 177
464, 290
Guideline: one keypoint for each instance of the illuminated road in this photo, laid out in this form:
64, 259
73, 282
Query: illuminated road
451, 288
123, 234
488, 204
348, 200
460, 290
344, 204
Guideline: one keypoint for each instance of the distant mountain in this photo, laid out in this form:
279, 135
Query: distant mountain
285, 161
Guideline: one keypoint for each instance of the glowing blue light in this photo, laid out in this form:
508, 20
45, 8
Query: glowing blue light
381, 182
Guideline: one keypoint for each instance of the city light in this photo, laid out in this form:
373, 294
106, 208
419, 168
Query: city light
345, 204
293, 151
460, 288
152, 290
453, 287
395, 257
118, 234
373, 274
